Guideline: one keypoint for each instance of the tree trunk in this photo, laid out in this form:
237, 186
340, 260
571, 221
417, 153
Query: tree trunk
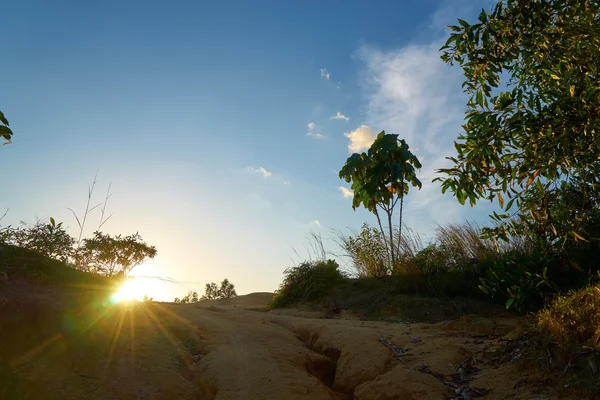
381, 227
400, 226
391, 229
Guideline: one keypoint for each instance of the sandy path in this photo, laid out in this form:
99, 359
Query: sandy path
228, 350
258, 355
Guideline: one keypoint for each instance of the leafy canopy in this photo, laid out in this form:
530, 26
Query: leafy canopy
531, 71
382, 175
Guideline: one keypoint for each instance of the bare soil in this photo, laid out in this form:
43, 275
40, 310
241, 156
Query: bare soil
237, 349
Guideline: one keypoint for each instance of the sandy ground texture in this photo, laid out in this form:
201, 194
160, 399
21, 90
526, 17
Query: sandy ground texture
235, 349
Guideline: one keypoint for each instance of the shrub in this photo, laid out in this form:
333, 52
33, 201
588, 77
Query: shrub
49, 239
367, 250
572, 319
309, 281
431, 260
566, 334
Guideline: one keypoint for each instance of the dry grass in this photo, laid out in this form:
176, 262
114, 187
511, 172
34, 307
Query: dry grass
571, 320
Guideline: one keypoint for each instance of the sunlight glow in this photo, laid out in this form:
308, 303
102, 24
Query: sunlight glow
132, 289
145, 280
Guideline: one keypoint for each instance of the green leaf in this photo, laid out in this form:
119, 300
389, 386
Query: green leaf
510, 204
3, 119
52, 221
509, 303
479, 98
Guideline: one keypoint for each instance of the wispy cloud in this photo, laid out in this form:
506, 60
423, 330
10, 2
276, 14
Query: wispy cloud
311, 125
339, 115
411, 92
360, 139
315, 135
347, 193
261, 170
325, 74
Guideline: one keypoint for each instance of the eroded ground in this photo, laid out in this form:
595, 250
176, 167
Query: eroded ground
235, 350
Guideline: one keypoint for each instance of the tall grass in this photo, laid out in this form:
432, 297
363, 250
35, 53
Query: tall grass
455, 247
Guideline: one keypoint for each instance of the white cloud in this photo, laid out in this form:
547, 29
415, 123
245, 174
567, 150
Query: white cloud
339, 115
317, 136
325, 74
360, 139
311, 125
411, 92
316, 222
347, 193
261, 170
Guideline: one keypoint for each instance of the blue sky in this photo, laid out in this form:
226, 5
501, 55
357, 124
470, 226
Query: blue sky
222, 125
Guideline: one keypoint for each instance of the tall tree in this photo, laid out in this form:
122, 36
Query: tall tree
532, 75
380, 178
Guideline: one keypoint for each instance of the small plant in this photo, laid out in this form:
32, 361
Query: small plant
81, 222
309, 281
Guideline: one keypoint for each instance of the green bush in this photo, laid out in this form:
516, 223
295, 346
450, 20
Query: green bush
309, 281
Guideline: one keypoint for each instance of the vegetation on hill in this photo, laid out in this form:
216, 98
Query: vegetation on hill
211, 292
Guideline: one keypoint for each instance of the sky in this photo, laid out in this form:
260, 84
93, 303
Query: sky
221, 126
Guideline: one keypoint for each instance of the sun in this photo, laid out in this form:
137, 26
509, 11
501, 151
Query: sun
145, 280
131, 289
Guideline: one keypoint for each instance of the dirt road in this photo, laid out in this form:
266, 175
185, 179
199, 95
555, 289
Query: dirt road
230, 350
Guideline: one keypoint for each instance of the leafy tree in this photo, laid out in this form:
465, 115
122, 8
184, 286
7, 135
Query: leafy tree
532, 75
5, 132
380, 178
214, 292
227, 290
110, 256
211, 291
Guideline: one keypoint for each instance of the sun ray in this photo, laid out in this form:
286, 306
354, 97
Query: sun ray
176, 316
132, 348
178, 348
115, 339
36, 350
